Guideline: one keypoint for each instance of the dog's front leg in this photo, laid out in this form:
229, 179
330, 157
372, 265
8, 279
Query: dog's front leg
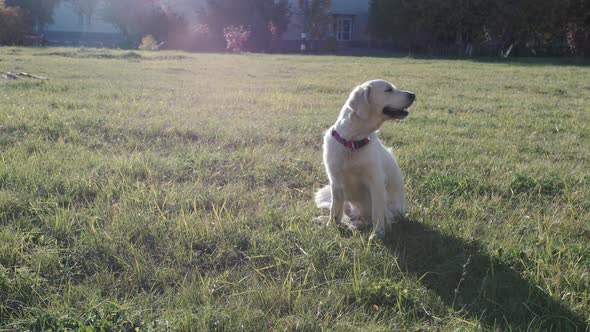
378, 204
337, 208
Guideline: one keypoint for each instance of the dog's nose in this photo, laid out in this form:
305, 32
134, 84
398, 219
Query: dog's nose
411, 97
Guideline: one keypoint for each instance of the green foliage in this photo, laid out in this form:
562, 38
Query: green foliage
317, 17
578, 12
390, 20
147, 18
15, 23
41, 11
436, 26
84, 7
117, 13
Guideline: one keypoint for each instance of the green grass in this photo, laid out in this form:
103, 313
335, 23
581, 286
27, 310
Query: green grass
173, 191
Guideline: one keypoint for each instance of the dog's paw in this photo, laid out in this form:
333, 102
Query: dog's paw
322, 220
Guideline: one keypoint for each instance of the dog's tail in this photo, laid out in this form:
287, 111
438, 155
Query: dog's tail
323, 198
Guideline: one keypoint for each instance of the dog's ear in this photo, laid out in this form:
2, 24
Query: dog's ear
359, 101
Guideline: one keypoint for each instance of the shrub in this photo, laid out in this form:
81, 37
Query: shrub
253, 14
148, 43
236, 37
571, 41
275, 31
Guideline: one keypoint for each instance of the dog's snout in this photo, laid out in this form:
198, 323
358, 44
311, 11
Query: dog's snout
411, 97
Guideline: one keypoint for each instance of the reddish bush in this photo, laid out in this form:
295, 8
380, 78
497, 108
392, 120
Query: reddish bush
236, 37
571, 41
252, 14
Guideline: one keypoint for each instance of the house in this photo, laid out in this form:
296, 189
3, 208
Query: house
350, 24
73, 29
349, 28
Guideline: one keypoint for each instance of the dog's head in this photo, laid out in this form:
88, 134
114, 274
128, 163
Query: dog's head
380, 100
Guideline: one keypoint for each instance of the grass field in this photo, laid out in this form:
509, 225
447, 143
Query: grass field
170, 191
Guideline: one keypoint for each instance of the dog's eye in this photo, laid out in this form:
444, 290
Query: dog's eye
389, 90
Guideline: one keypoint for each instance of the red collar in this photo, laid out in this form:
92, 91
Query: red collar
354, 145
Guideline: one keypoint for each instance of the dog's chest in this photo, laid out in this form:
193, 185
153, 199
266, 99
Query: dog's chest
350, 163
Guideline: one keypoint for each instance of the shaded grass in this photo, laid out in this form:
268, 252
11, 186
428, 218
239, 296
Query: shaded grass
174, 191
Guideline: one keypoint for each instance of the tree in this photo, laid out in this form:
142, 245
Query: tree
276, 33
139, 18
253, 15
395, 21
578, 26
503, 25
532, 25
85, 8
167, 26
14, 25
316, 17
41, 11
125, 15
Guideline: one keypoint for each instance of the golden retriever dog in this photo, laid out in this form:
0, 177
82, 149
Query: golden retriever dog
366, 184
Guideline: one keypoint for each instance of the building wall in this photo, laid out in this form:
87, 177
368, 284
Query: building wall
67, 20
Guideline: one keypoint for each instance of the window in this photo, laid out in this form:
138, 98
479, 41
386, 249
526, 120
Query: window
343, 28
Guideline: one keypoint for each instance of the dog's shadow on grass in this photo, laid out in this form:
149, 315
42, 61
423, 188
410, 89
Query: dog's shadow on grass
476, 284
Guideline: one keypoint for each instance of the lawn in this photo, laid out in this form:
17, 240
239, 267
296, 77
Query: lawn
173, 191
